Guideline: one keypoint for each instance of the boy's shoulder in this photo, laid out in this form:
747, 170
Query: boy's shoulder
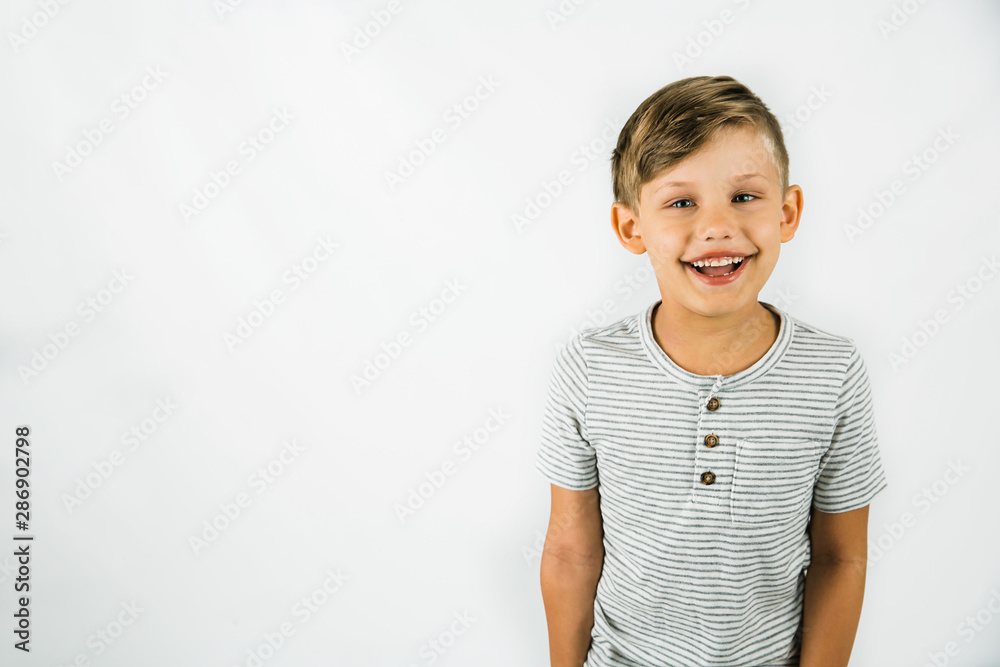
621, 335
614, 343
815, 341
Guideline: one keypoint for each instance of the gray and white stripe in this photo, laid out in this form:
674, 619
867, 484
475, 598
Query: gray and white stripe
707, 575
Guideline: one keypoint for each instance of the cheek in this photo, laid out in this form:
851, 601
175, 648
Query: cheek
666, 244
768, 262
666, 251
767, 233
663, 256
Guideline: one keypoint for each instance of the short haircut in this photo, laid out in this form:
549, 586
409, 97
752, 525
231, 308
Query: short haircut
677, 120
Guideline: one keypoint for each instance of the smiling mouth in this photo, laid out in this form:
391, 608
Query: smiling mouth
721, 270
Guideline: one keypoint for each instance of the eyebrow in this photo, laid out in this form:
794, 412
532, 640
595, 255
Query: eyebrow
736, 179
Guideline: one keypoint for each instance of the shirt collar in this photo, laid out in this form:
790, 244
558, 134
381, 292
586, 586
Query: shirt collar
715, 382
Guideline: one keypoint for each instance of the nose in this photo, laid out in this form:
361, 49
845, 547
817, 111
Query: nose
715, 222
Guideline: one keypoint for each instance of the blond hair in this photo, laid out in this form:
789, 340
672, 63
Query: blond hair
677, 120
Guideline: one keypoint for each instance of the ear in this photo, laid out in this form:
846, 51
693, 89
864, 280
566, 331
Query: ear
791, 211
626, 225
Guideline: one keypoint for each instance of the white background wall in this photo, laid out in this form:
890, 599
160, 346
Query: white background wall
471, 548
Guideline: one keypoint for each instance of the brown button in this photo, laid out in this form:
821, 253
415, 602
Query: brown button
711, 441
707, 477
713, 404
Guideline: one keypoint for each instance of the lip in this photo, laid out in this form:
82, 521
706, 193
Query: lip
720, 280
717, 254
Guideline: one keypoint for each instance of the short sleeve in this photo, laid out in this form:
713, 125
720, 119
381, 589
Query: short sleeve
851, 472
566, 457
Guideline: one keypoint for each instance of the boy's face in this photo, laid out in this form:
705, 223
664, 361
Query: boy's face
723, 199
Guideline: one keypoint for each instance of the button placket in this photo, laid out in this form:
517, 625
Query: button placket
708, 460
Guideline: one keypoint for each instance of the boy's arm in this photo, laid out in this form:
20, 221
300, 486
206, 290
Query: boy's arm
835, 587
572, 561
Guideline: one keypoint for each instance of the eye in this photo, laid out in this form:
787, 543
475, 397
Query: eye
675, 204
745, 195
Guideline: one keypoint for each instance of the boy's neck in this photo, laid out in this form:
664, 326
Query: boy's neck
714, 346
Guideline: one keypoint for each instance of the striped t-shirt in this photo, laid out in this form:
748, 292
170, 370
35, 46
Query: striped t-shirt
706, 484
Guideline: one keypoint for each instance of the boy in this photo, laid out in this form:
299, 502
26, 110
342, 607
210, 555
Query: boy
712, 458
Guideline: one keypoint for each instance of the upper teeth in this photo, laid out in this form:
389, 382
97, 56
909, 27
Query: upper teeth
718, 261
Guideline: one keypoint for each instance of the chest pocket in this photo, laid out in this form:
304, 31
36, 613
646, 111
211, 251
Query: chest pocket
773, 481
